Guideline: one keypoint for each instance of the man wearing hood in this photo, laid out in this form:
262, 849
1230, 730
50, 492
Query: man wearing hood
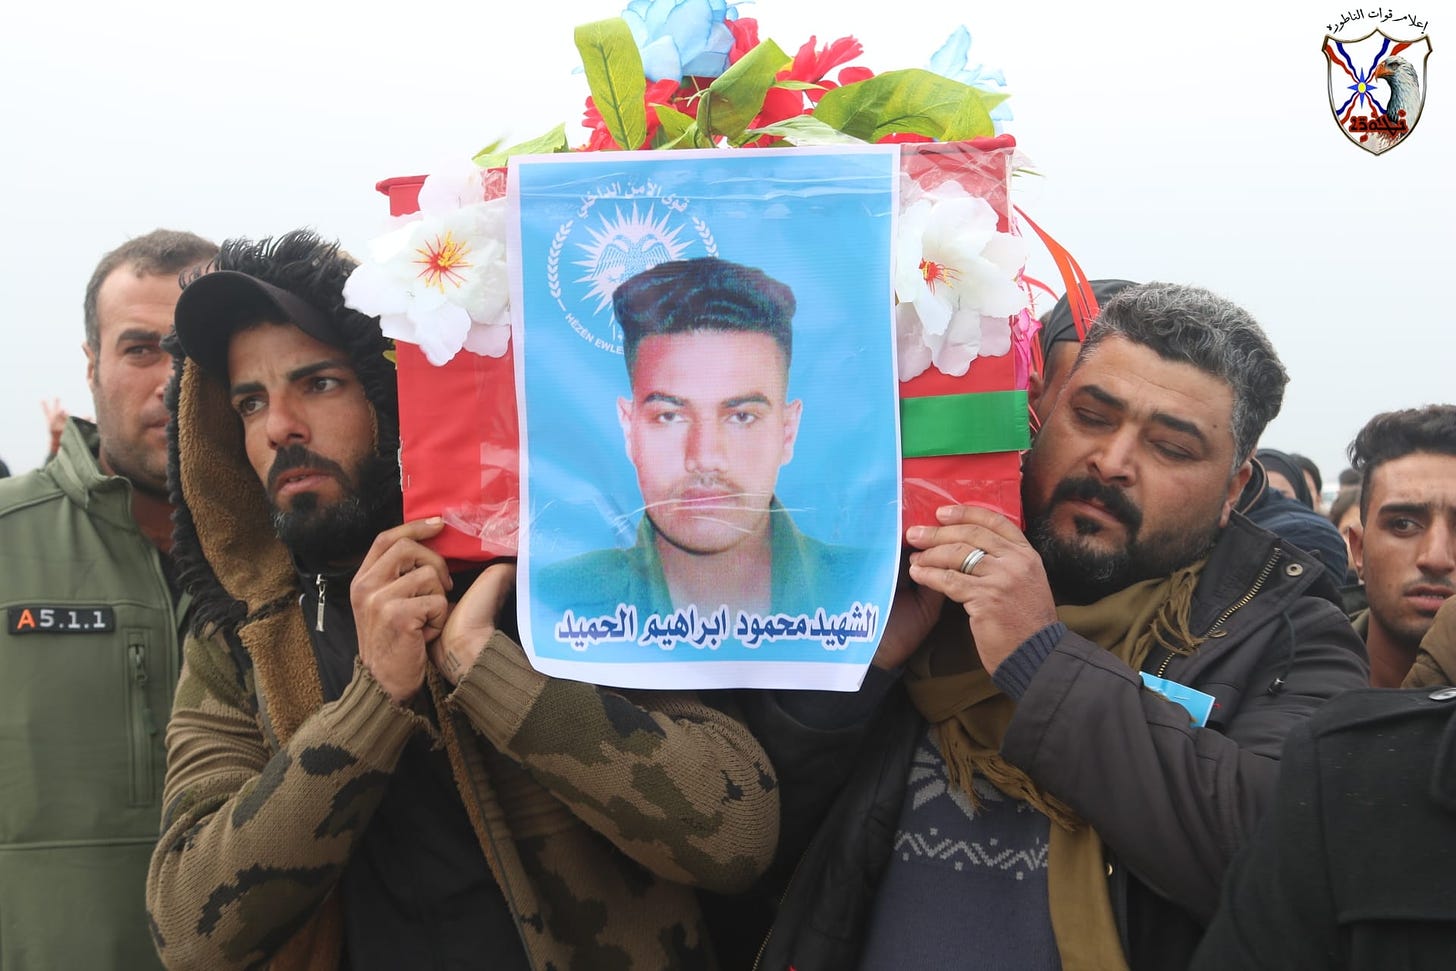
363, 769
1278, 499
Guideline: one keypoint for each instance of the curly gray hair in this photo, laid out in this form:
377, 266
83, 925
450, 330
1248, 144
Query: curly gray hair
1196, 326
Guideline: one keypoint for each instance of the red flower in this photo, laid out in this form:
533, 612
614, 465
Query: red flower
745, 37
778, 104
809, 66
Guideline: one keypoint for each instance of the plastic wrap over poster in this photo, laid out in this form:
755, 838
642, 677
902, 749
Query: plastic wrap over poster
709, 415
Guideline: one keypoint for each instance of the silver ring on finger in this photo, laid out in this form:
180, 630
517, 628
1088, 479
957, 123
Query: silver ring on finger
975, 556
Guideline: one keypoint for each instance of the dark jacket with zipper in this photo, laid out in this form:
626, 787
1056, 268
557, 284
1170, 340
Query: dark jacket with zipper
1353, 866
420, 892
1172, 803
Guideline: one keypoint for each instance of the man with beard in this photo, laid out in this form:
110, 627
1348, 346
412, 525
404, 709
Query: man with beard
1092, 721
363, 769
92, 641
1405, 544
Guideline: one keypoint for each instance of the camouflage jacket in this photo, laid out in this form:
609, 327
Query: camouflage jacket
595, 809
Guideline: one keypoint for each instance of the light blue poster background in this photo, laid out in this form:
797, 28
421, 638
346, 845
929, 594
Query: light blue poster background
820, 221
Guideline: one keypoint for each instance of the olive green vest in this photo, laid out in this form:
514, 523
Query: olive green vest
89, 657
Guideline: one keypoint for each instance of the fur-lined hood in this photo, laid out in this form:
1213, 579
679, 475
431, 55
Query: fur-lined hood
229, 557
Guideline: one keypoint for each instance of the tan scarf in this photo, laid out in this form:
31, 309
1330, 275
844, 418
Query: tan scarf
955, 694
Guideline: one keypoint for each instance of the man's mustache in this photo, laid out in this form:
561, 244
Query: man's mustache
291, 457
1114, 500
716, 484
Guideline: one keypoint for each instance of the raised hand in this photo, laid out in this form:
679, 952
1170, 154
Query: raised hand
1004, 592
399, 604
473, 620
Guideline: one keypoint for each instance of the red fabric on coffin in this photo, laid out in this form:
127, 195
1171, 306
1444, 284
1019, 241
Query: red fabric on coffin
983, 167
459, 451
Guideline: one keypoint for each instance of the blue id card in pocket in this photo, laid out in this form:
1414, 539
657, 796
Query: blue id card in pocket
1198, 704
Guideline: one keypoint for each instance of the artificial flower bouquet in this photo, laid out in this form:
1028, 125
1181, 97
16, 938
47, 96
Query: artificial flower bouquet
674, 74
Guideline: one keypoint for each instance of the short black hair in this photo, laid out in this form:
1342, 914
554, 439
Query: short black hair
1396, 434
683, 296
160, 252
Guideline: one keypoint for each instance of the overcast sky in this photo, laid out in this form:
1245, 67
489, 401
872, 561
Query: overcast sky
1177, 146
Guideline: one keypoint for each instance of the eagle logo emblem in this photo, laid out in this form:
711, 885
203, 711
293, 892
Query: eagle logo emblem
619, 231
1377, 87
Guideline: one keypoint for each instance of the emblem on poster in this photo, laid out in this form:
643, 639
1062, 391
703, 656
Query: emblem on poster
620, 230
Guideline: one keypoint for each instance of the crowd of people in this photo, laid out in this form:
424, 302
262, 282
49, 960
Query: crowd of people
1184, 717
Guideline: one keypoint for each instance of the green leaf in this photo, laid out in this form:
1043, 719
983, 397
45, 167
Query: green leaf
972, 121
548, 144
736, 96
487, 151
804, 130
991, 98
678, 130
913, 100
615, 75
789, 84
675, 124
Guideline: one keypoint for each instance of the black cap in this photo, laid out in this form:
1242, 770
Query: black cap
1060, 326
216, 304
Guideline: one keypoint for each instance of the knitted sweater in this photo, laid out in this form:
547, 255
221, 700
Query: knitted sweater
595, 809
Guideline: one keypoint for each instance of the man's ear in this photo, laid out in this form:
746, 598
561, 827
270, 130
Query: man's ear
1355, 536
793, 411
91, 355
624, 419
1236, 486
1035, 385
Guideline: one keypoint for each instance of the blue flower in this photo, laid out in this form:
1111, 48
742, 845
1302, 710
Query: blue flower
681, 38
953, 61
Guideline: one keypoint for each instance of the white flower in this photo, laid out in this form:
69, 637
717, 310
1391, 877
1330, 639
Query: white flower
452, 185
955, 280
440, 280
914, 354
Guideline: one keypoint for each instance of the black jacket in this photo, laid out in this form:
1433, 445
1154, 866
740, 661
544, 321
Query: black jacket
1355, 865
1172, 803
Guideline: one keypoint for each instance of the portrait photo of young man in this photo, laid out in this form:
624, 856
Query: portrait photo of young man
698, 509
